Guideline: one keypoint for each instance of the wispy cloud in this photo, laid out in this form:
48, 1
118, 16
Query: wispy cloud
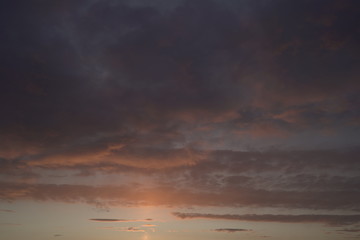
148, 225
130, 229
7, 210
334, 220
119, 220
232, 230
351, 230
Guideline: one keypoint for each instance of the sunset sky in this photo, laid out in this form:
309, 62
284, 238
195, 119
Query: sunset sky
180, 119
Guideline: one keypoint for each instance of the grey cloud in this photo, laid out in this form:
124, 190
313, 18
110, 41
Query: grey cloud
119, 220
107, 220
132, 229
81, 76
302, 179
231, 230
316, 170
349, 230
185, 94
333, 220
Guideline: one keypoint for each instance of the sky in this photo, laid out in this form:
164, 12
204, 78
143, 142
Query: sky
180, 119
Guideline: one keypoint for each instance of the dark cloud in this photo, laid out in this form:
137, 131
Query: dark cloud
118, 220
74, 73
350, 230
131, 229
231, 230
333, 220
190, 103
108, 220
273, 171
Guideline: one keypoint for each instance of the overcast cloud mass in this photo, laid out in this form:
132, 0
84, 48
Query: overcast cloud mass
184, 104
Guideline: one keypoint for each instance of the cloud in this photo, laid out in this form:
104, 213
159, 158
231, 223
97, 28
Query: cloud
131, 229
108, 220
231, 230
83, 90
7, 211
118, 220
108, 158
199, 103
148, 225
350, 230
333, 220
58, 235
173, 196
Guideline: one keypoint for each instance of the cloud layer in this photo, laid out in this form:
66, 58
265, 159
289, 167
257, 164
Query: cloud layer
334, 220
174, 196
96, 81
186, 103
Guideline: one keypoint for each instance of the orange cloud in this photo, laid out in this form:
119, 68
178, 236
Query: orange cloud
128, 156
171, 196
148, 225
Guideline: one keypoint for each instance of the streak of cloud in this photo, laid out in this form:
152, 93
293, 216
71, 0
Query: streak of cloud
333, 220
119, 220
130, 229
350, 230
7, 211
232, 230
148, 225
